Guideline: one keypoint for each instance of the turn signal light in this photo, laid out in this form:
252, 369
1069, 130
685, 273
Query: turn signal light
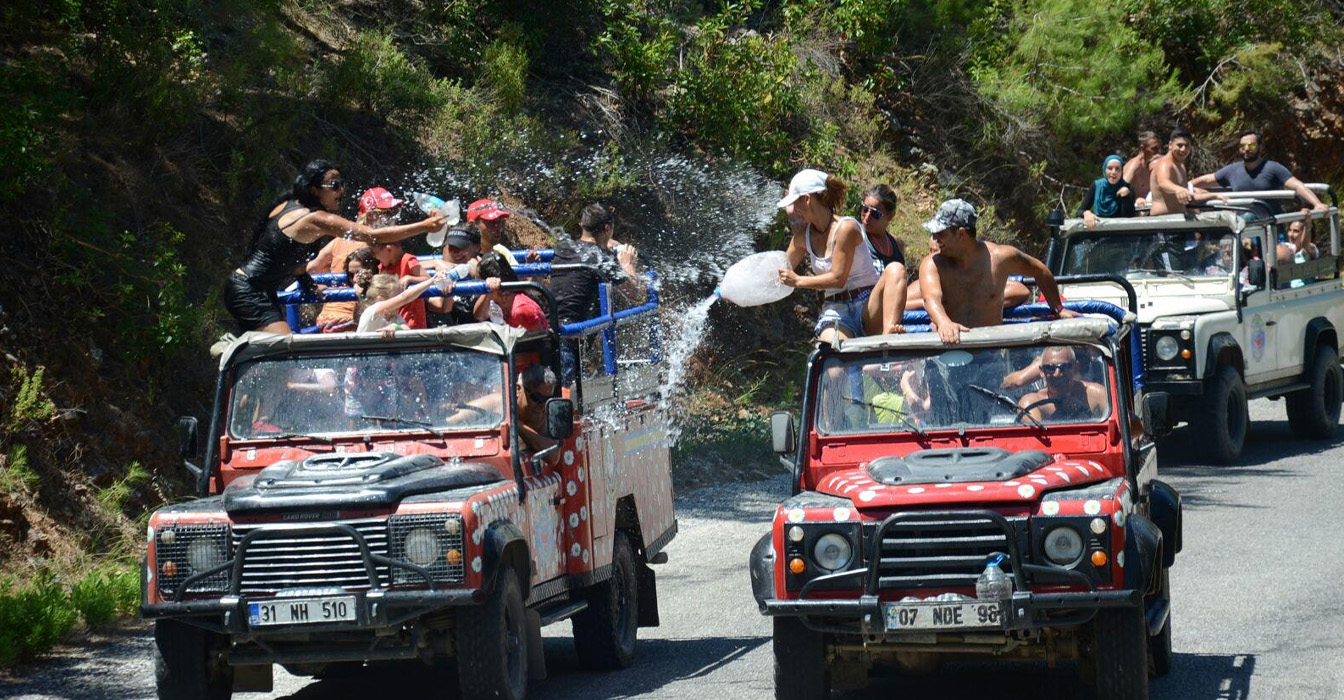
454, 557
1185, 354
1099, 558
796, 565
169, 568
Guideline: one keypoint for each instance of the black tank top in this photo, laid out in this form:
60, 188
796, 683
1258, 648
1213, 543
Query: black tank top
274, 256
882, 259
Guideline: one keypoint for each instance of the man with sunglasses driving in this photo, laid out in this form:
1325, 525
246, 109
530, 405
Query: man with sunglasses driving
1066, 397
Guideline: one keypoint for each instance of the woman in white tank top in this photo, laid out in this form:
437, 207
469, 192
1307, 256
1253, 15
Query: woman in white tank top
855, 290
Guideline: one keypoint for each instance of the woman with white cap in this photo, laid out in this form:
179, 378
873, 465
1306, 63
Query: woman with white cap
859, 300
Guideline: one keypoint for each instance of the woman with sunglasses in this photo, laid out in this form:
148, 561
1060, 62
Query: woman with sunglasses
289, 236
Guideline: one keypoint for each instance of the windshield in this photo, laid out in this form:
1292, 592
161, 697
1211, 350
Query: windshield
1146, 254
361, 393
939, 389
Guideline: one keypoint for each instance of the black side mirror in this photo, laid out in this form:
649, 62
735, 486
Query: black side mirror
559, 419
783, 435
1255, 273
188, 437
1156, 413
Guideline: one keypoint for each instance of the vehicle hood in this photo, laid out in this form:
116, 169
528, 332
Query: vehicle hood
367, 480
1161, 297
931, 478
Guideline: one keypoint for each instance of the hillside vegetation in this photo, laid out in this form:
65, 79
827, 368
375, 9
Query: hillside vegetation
140, 140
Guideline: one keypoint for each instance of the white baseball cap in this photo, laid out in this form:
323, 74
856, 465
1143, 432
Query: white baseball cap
805, 182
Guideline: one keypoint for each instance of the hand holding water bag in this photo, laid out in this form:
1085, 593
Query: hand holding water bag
754, 280
450, 211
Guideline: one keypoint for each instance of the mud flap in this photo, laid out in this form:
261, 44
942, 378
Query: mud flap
253, 678
536, 651
648, 596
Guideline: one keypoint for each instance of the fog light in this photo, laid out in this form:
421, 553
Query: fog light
452, 525
453, 557
1098, 525
1185, 354
795, 534
168, 536
169, 568
796, 565
1185, 335
1098, 558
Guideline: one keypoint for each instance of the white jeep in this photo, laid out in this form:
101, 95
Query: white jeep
1222, 318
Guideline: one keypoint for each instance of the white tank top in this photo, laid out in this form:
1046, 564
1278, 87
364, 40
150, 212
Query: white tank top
862, 271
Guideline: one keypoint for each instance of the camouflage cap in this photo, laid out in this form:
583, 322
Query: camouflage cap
954, 213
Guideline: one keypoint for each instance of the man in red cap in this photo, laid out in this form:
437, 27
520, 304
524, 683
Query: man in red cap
489, 216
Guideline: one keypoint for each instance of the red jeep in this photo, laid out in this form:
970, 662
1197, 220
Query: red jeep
995, 498
368, 499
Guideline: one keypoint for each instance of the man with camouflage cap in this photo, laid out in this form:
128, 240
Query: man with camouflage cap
963, 281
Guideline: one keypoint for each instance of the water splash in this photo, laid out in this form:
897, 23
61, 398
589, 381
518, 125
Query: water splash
684, 341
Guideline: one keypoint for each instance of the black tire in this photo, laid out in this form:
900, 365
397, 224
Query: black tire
605, 633
800, 662
1219, 424
1121, 648
1313, 413
1159, 647
492, 644
191, 663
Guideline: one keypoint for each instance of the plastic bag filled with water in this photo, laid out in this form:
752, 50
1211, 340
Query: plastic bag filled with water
754, 280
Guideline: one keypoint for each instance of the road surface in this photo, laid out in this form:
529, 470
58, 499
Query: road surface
1258, 604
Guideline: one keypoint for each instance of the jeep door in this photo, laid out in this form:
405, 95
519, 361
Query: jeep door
1258, 333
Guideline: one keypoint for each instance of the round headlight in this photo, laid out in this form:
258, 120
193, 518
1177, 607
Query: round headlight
1063, 546
204, 554
422, 546
832, 551
1167, 347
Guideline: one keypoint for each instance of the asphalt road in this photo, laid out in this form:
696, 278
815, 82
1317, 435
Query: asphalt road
1258, 604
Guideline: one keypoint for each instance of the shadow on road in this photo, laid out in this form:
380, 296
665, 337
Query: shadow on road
1207, 677
659, 662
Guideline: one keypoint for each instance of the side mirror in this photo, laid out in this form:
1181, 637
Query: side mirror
783, 436
559, 419
188, 437
1156, 413
1255, 273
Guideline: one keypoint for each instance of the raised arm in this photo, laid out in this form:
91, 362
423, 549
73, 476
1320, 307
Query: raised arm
410, 294
1208, 180
325, 223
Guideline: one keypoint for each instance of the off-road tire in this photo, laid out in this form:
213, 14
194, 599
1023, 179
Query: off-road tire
1120, 643
605, 633
1219, 423
1159, 647
800, 662
492, 644
1313, 413
190, 663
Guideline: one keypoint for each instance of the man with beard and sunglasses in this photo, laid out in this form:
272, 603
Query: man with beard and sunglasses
1066, 397
1256, 173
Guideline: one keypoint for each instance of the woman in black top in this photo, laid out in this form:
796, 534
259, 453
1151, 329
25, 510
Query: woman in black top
1109, 197
879, 204
292, 233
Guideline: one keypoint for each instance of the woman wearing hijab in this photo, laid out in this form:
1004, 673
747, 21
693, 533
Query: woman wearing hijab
1110, 197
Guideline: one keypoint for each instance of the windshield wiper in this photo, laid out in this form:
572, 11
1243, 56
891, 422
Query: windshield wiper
1171, 273
900, 416
1007, 401
407, 421
288, 436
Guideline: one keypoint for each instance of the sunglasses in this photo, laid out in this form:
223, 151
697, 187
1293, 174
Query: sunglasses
874, 212
1059, 368
535, 396
1248, 146
334, 185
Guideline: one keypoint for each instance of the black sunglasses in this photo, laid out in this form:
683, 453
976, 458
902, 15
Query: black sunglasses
334, 185
1056, 368
876, 213
535, 396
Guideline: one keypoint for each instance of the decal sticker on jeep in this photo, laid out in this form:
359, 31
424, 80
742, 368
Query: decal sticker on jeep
1257, 338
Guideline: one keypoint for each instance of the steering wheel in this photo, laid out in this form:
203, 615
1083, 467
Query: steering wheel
1042, 402
476, 409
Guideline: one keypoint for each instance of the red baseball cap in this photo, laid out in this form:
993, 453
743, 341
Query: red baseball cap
487, 209
377, 198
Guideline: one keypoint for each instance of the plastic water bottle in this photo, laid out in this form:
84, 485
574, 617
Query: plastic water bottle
993, 584
450, 210
496, 314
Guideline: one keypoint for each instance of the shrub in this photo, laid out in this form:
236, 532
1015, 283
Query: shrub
374, 74
30, 403
33, 618
504, 75
106, 594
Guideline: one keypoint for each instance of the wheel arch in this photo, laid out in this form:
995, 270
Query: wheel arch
1223, 350
505, 546
1319, 330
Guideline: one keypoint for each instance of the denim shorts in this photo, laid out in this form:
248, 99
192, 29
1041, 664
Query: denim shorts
847, 314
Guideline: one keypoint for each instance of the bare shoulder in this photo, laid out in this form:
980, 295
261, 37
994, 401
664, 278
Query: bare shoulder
1000, 251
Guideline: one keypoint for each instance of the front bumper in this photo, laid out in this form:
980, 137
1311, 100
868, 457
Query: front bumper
1026, 609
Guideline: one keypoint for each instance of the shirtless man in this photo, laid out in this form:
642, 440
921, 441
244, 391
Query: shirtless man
963, 282
1138, 172
1066, 396
1170, 188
